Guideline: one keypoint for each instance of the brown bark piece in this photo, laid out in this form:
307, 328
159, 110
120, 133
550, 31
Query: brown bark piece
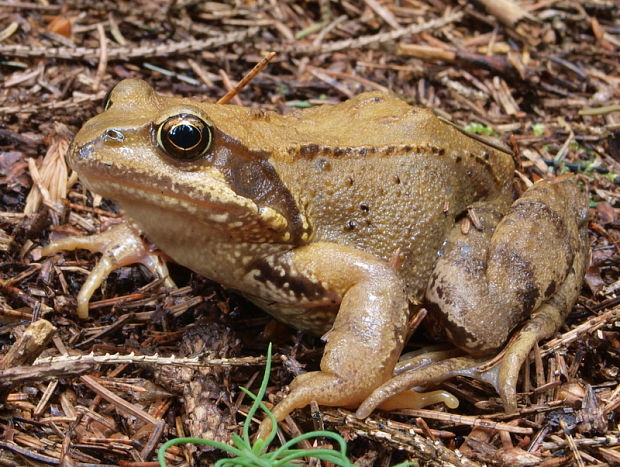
29, 345
27, 348
506, 11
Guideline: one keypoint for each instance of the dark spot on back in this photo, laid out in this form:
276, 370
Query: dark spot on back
322, 164
259, 114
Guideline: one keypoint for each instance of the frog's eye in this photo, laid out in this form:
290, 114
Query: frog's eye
184, 136
107, 101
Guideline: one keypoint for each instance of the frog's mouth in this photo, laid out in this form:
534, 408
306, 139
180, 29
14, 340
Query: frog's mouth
122, 180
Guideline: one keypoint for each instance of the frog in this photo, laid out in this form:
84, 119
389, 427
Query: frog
341, 221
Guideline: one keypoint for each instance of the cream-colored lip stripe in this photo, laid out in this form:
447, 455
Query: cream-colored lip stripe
102, 184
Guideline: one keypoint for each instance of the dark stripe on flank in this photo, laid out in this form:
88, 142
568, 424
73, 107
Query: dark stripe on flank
522, 269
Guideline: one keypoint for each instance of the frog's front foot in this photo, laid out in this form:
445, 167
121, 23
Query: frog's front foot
325, 388
120, 246
368, 333
332, 390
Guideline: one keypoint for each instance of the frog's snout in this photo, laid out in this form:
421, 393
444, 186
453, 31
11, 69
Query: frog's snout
88, 144
82, 152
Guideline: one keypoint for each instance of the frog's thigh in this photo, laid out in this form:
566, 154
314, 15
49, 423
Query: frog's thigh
483, 288
367, 335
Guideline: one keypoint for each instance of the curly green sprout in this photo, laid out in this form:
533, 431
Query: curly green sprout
257, 454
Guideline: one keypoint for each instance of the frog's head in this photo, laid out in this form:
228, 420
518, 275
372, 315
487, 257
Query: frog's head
147, 150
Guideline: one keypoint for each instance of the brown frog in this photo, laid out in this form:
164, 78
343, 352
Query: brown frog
336, 219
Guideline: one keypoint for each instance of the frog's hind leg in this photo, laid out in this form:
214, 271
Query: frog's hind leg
489, 280
492, 278
501, 372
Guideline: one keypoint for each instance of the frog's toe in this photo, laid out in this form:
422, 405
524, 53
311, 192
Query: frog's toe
120, 246
418, 400
387, 395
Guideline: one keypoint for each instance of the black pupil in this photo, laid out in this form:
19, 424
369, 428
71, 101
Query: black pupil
184, 135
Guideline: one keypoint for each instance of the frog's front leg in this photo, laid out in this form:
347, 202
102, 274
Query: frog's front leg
488, 281
368, 333
120, 246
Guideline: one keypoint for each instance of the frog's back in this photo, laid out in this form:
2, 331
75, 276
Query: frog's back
390, 181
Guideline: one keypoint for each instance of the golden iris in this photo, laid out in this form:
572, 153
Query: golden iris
184, 136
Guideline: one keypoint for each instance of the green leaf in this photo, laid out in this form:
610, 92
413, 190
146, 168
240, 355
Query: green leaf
538, 129
299, 104
479, 129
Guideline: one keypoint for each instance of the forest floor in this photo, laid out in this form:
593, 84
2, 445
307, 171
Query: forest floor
541, 76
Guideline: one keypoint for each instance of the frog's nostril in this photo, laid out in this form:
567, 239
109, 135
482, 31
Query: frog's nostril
83, 152
115, 135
